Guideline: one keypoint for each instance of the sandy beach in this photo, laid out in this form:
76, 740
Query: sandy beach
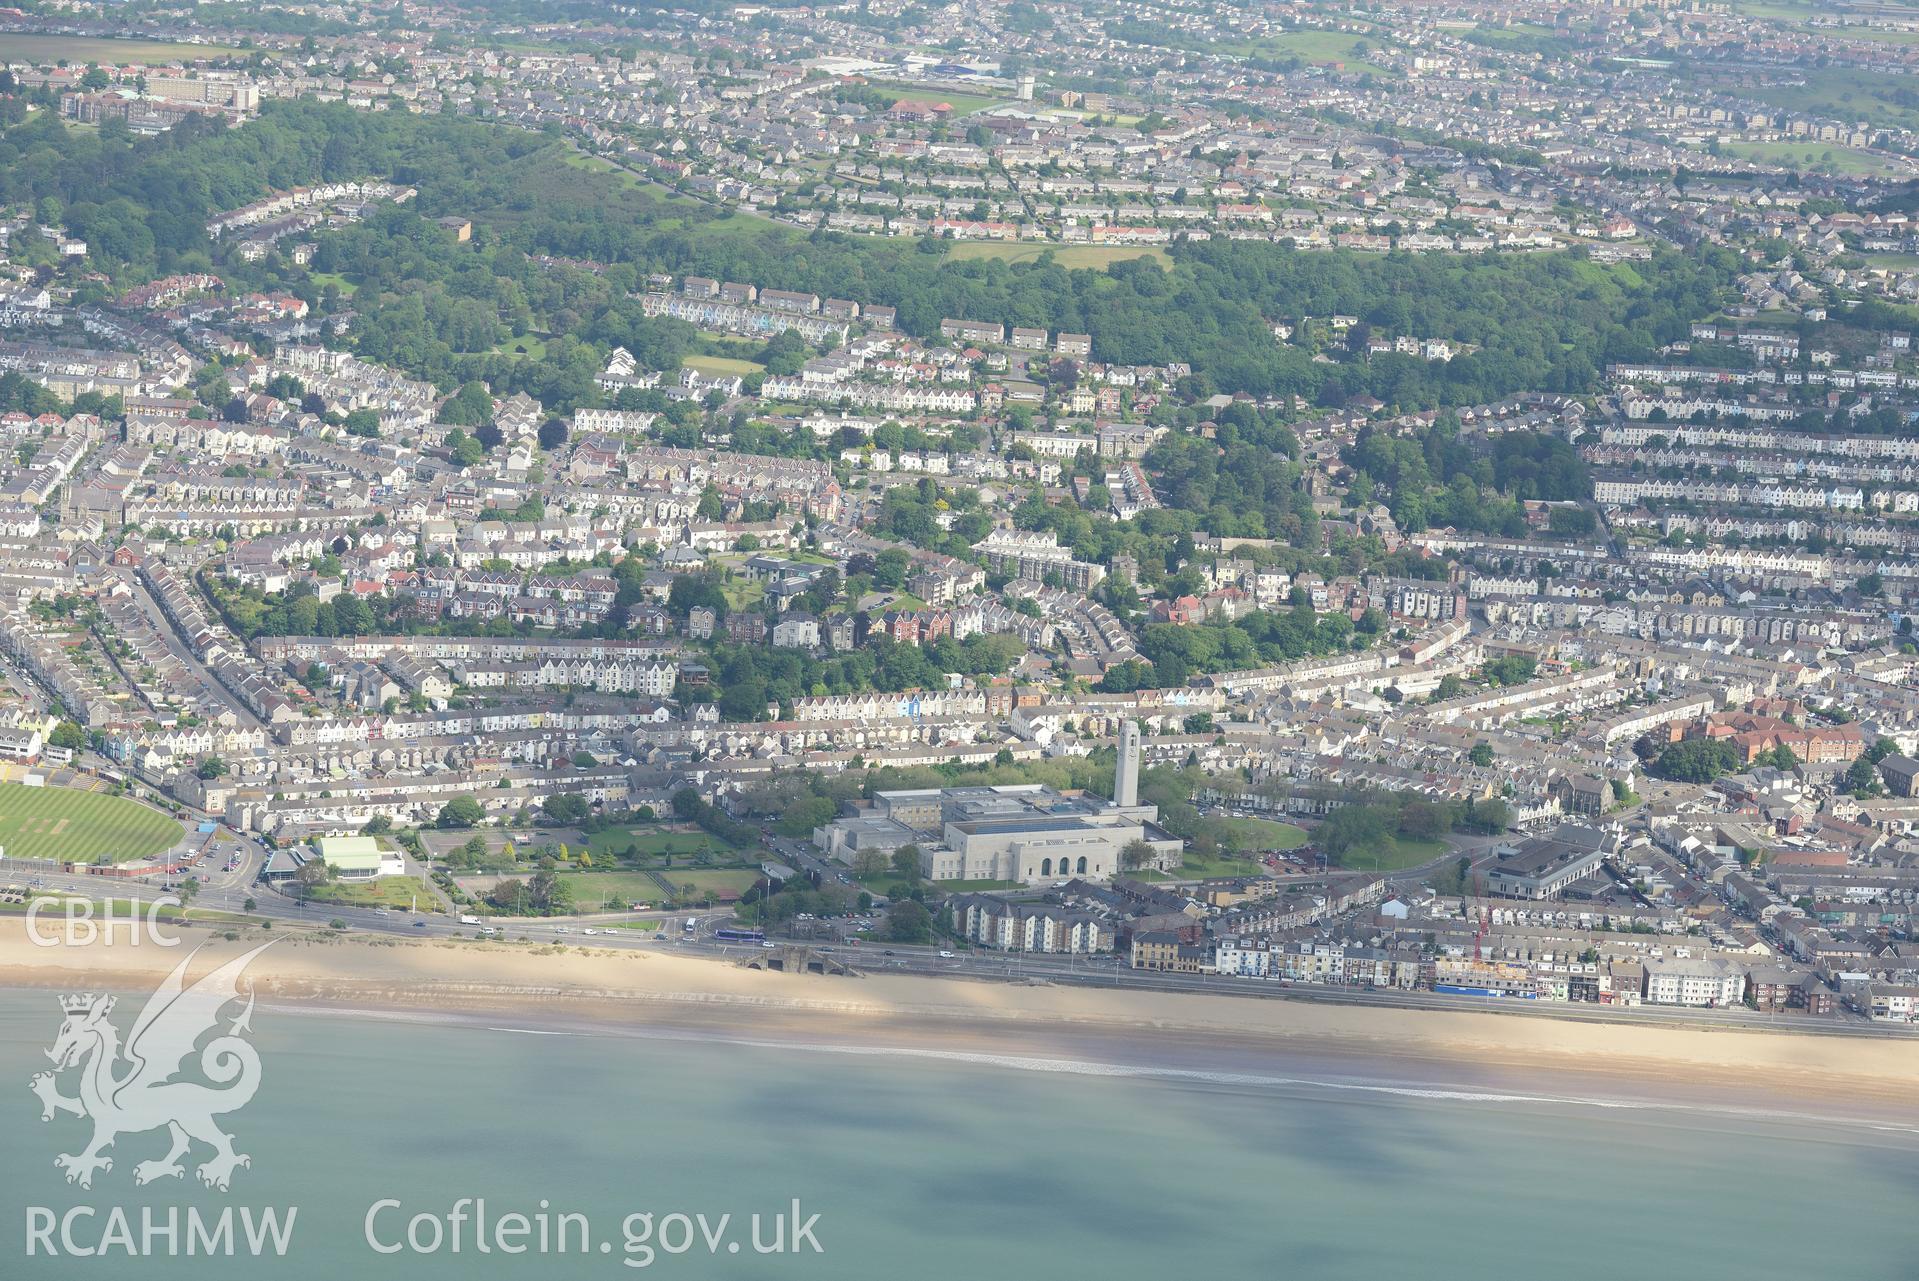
603, 991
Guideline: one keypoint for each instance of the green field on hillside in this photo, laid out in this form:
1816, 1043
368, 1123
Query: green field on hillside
1343, 47
1846, 93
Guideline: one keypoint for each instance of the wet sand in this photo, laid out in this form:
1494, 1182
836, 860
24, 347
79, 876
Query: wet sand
584, 991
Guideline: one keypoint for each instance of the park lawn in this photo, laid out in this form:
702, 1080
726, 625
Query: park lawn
1813, 155
33, 48
324, 278
1262, 834
576, 159
1314, 46
88, 827
1397, 854
657, 842
593, 890
1097, 257
526, 345
715, 365
384, 891
713, 881
1195, 867
888, 884
742, 594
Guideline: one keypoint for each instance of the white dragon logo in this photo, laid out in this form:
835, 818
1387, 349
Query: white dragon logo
145, 1097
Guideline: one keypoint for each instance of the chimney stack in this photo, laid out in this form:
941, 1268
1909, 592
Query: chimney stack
1126, 775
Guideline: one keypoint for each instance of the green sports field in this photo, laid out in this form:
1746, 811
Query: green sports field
1098, 257
64, 823
16, 46
654, 842
593, 890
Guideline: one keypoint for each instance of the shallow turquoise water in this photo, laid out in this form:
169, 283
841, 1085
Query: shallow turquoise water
937, 1168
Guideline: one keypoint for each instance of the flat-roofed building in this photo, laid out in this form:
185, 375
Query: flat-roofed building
1702, 982
1540, 867
1027, 833
357, 858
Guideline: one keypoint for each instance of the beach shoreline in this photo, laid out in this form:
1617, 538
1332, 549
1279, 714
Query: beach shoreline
583, 991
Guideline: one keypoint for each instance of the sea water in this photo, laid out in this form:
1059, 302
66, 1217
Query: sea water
926, 1165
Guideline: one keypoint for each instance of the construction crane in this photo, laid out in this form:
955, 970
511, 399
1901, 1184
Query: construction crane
1485, 915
